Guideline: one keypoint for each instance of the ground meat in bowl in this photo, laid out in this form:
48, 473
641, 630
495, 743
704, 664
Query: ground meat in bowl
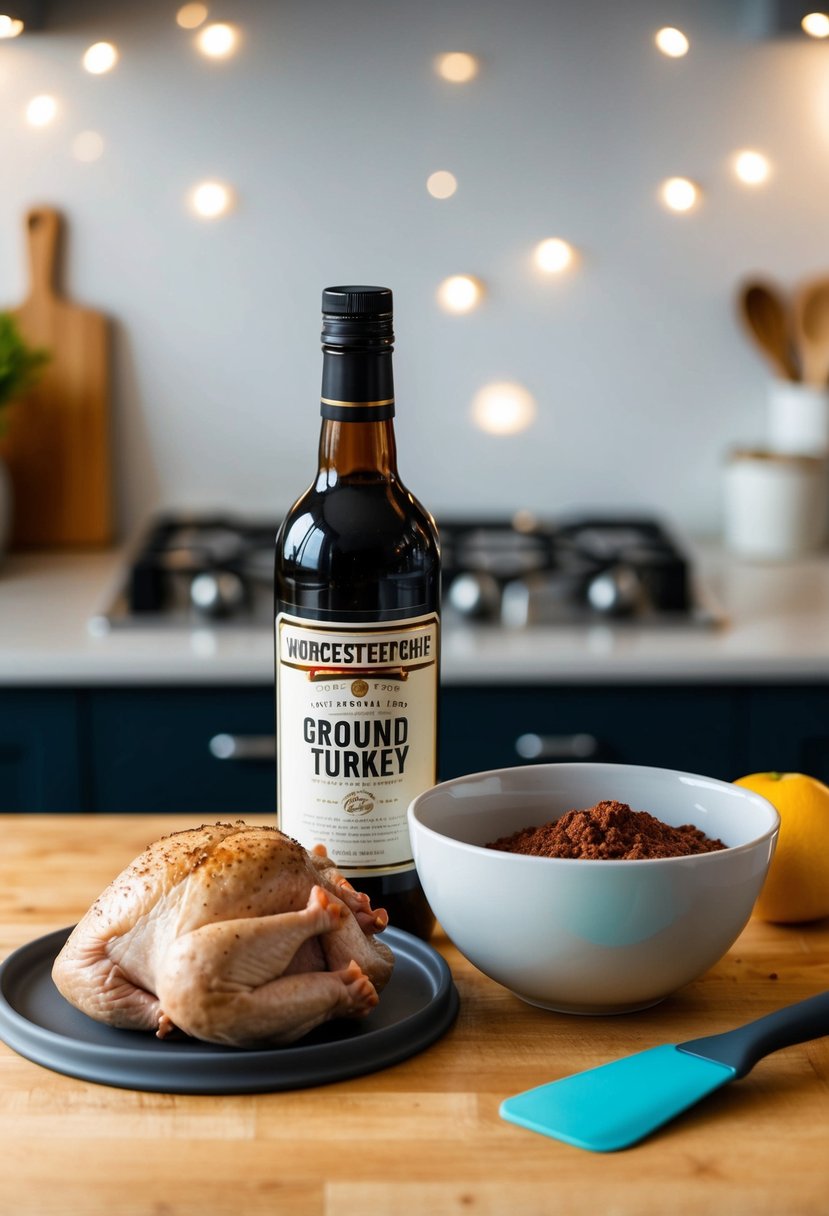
608, 831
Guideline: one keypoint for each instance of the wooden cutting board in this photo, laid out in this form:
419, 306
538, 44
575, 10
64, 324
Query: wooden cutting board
57, 446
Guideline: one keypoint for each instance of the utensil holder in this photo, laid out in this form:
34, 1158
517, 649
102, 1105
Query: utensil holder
776, 504
798, 419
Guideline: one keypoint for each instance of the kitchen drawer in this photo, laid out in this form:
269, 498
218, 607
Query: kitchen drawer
40, 751
684, 728
151, 750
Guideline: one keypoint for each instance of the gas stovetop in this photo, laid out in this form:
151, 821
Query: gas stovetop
218, 570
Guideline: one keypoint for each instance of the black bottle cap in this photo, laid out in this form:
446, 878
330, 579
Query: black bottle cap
357, 318
362, 302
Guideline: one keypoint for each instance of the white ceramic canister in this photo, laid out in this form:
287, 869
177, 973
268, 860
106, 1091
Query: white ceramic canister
798, 418
776, 504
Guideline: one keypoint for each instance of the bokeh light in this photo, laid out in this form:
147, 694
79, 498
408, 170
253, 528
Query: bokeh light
460, 293
41, 110
10, 27
672, 42
442, 184
679, 194
218, 40
211, 199
752, 168
100, 57
554, 255
191, 16
816, 25
503, 408
459, 67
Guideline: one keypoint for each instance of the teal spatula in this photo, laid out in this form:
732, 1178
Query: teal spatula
617, 1104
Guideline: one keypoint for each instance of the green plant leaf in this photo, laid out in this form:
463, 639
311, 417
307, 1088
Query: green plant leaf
20, 364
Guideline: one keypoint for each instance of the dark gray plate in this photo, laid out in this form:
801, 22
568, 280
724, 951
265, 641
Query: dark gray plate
417, 1006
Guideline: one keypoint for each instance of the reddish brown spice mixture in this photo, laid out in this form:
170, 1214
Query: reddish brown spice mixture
608, 831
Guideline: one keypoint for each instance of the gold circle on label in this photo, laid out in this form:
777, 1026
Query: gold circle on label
359, 802
359, 688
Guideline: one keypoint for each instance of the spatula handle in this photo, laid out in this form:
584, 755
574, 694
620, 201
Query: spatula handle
740, 1049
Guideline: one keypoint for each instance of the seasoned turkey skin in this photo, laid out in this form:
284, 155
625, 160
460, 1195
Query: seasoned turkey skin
233, 934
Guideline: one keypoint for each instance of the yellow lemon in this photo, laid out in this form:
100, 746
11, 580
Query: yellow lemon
797, 886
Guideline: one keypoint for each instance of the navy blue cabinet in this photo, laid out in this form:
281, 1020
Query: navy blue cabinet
787, 730
690, 728
41, 751
210, 751
202, 750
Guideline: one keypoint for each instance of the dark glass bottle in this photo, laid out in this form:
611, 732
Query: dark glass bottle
357, 591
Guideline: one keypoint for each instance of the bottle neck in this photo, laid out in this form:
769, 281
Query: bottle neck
357, 384
357, 408
349, 449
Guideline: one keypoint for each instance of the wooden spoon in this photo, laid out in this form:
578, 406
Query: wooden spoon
764, 313
812, 318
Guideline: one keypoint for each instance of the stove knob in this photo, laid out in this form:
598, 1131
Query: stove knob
217, 593
616, 591
475, 595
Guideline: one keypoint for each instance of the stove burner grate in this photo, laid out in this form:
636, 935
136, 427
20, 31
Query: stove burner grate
217, 569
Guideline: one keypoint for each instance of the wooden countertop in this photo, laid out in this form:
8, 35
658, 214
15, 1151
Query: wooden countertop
425, 1135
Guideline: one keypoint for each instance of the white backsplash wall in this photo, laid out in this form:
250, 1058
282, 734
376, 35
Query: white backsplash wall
327, 122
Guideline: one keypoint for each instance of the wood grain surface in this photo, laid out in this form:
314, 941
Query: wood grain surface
58, 445
425, 1135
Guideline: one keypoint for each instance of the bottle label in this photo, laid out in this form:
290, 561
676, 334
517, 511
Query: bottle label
357, 735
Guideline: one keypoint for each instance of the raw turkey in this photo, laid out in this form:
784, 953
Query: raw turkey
234, 934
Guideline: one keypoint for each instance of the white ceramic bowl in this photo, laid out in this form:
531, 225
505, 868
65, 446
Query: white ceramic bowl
589, 936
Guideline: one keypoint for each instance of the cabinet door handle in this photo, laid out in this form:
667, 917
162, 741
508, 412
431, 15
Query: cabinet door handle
243, 747
556, 747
